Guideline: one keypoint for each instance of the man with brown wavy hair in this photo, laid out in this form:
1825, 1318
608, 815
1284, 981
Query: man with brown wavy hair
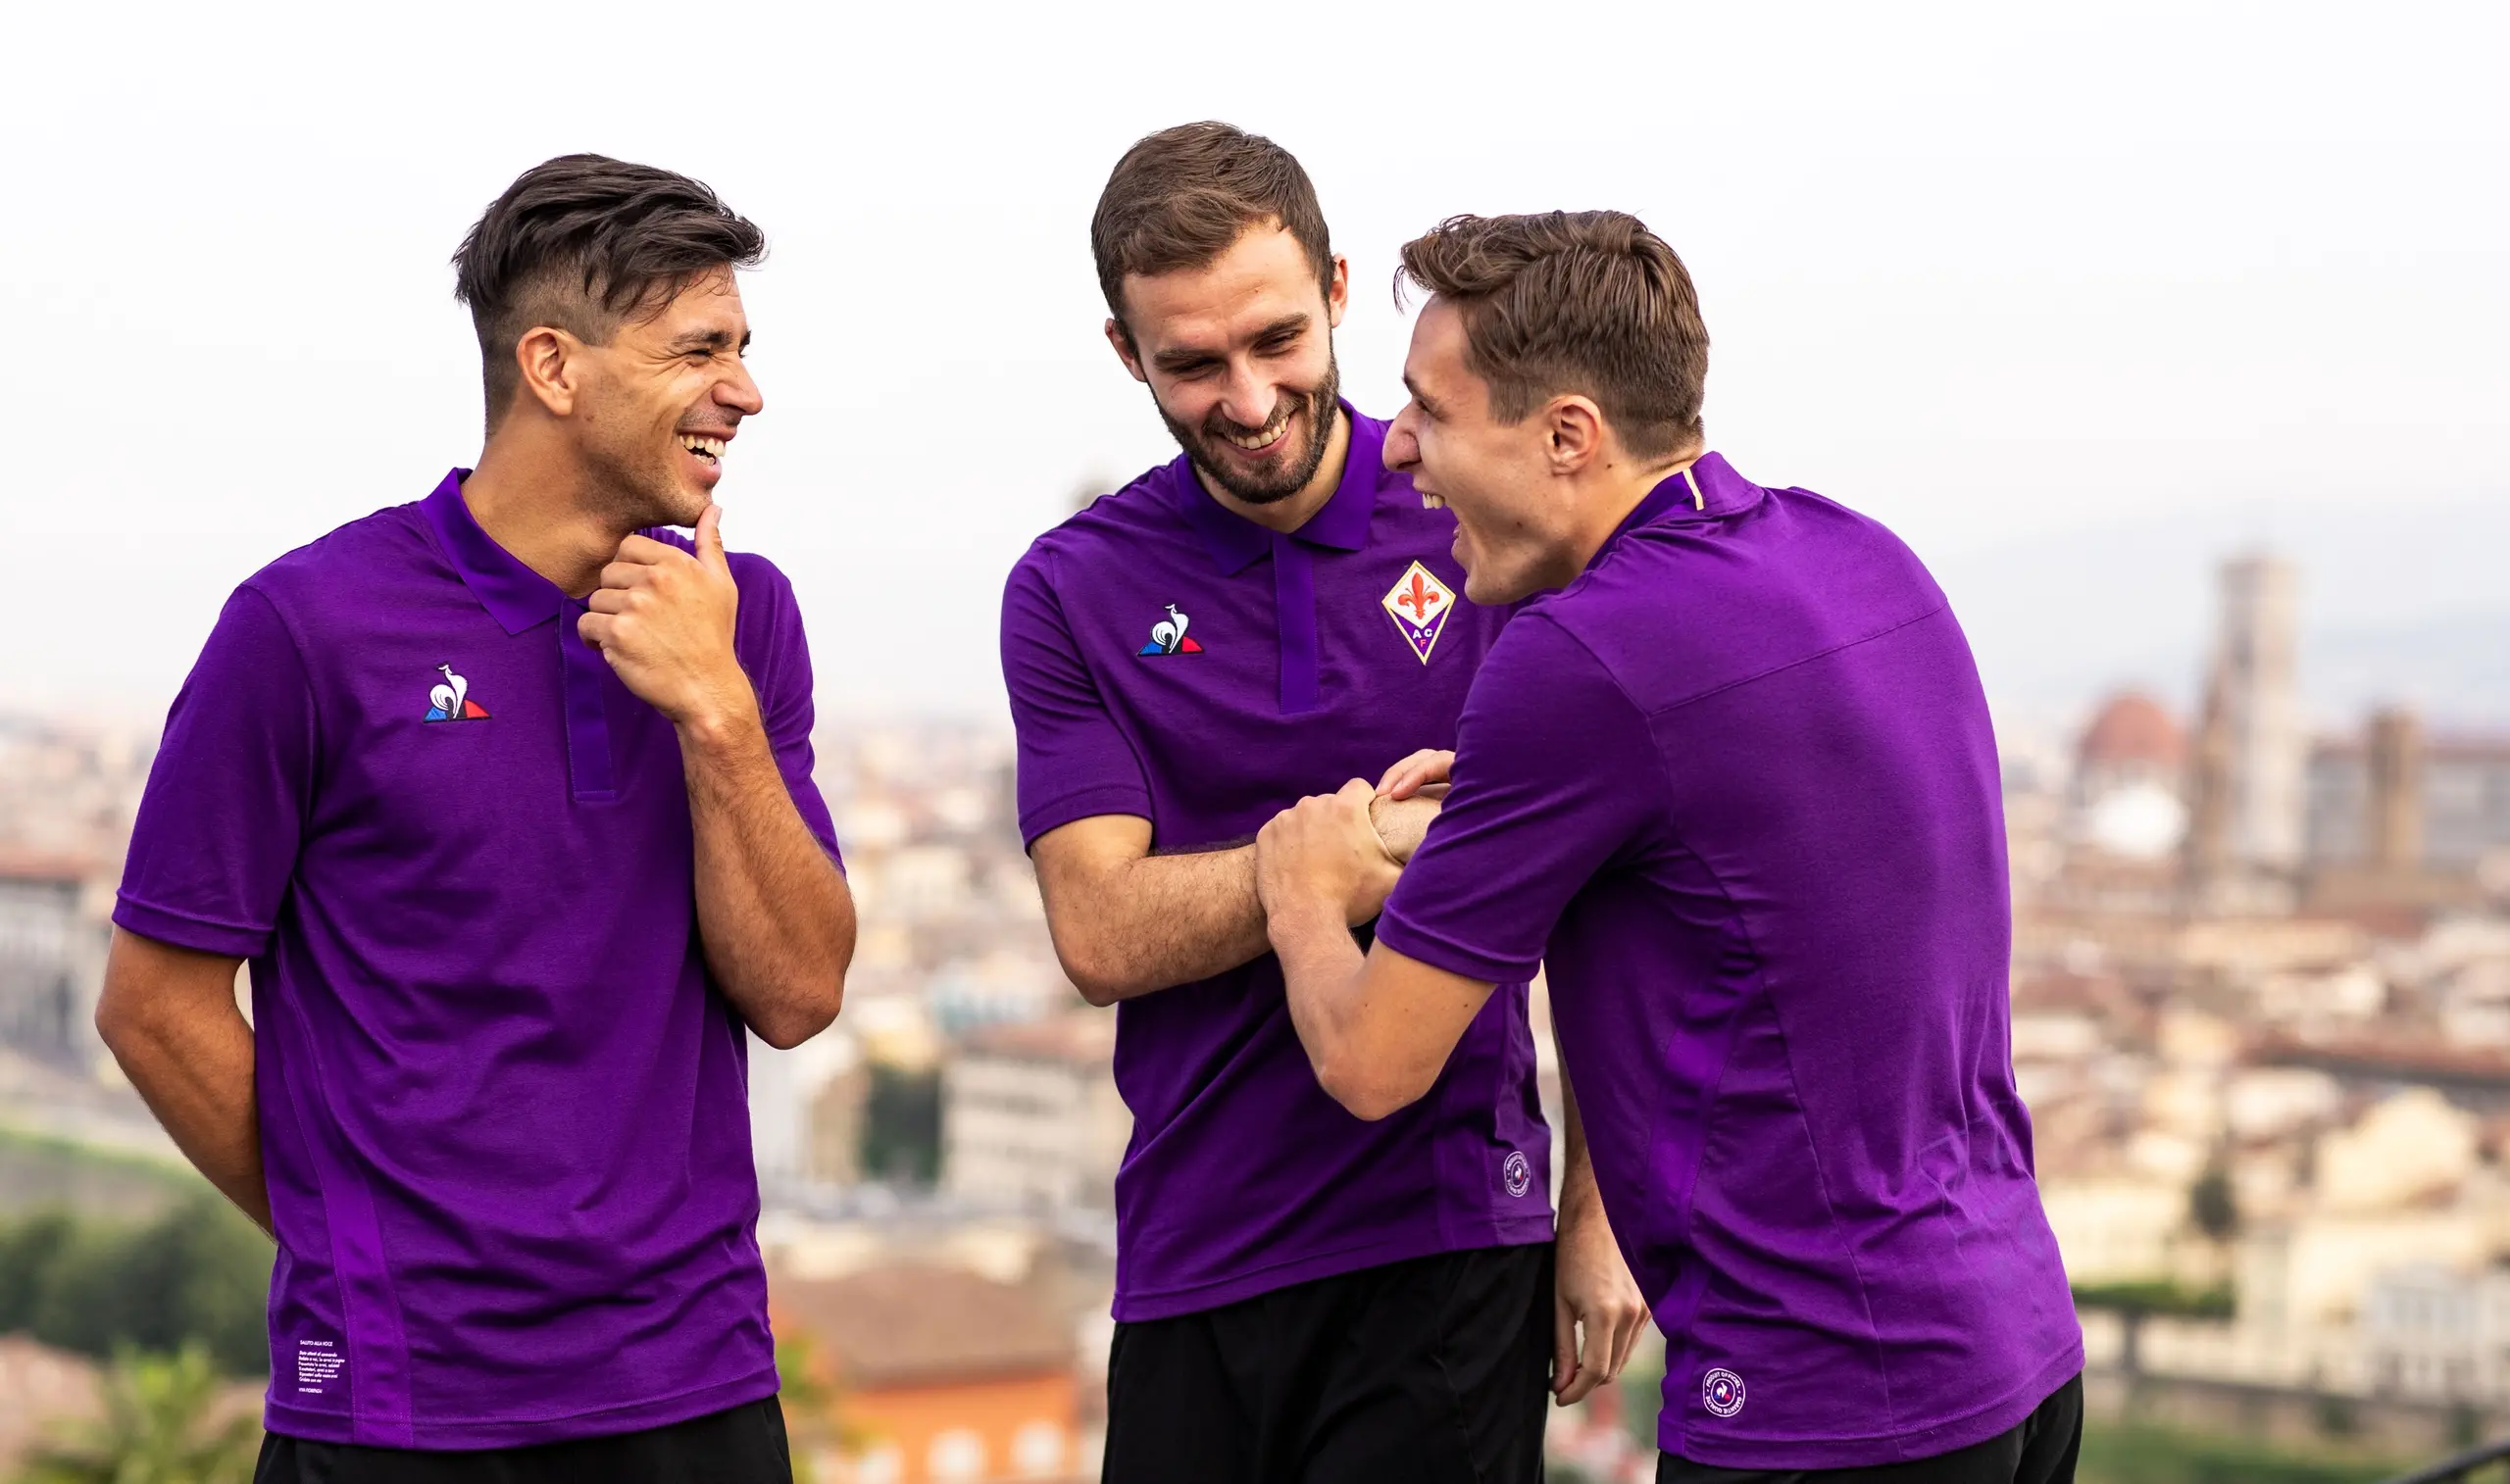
1299, 1294
1732, 782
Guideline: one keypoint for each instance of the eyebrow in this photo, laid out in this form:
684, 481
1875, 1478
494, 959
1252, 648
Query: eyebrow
1186, 356
1420, 396
707, 339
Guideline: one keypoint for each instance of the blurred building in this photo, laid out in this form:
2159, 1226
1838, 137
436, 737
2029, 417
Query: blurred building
938, 1376
2131, 767
1030, 1118
2398, 800
2435, 1334
52, 956
2248, 802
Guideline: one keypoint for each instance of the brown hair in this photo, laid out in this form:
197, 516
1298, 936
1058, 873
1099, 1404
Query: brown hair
1181, 197
581, 242
1587, 302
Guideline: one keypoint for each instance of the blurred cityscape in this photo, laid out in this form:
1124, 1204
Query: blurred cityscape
2261, 1015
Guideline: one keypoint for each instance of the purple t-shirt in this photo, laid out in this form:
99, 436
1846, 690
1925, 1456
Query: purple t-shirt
1169, 659
502, 1109
1737, 784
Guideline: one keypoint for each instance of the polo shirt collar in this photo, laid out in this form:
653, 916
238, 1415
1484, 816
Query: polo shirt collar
1342, 523
514, 595
1707, 490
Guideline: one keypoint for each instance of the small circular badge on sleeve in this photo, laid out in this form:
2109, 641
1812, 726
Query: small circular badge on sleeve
1517, 1172
1721, 1391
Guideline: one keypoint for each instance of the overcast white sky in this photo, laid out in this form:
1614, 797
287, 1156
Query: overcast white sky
1997, 274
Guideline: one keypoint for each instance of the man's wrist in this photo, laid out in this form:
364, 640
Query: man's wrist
725, 729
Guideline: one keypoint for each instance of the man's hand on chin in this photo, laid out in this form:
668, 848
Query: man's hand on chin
1322, 852
664, 620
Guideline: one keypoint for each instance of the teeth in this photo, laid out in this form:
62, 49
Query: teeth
712, 448
1432, 502
1253, 441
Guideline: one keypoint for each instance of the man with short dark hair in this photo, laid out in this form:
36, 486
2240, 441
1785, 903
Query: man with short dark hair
1732, 782
1299, 1294
506, 794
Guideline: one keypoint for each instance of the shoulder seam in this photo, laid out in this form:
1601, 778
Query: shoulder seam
1778, 669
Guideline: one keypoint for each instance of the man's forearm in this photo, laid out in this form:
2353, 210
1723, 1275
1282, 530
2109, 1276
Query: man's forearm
773, 911
1162, 920
1578, 1195
1139, 923
1321, 969
191, 1058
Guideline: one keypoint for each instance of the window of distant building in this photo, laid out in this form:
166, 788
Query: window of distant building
1038, 1449
957, 1454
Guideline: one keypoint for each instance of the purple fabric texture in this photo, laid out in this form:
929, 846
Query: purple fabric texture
502, 1109
1737, 785
1169, 659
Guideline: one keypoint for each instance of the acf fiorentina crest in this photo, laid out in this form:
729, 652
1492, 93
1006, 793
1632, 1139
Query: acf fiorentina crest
1419, 604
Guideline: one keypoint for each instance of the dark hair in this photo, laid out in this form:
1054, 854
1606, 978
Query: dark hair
580, 243
1587, 302
1179, 198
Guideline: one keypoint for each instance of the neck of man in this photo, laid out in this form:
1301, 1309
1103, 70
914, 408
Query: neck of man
1613, 491
1287, 516
533, 497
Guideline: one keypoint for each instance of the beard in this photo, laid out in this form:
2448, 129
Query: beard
1320, 402
636, 484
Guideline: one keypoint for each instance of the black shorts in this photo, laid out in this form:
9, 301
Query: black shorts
1430, 1371
2039, 1450
740, 1445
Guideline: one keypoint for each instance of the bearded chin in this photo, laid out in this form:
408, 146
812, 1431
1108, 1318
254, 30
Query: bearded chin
1319, 403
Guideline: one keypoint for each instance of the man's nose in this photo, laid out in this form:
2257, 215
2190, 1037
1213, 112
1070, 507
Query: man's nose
1249, 399
740, 392
1402, 450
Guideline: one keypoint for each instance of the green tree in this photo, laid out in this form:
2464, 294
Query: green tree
157, 1429
31, 1250
2213, 1206
200, 1272
902, 1125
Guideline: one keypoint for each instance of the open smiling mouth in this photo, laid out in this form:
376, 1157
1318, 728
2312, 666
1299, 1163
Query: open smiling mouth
1263, 439
708, 450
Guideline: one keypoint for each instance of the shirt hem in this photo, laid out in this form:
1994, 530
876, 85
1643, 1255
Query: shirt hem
1135, 1308
1415, 942
522, 1432
183, 930
1912, 1446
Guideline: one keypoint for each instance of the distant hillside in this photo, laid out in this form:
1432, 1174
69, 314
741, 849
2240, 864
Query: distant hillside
38, 1171
2407, 601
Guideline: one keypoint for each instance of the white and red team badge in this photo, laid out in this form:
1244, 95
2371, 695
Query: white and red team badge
1419, 604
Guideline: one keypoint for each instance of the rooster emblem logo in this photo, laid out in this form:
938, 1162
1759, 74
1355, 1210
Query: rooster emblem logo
1168, 637
451, 700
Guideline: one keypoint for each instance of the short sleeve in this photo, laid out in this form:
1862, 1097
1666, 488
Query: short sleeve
221, 821
1074, 760
1555, 773
781, 675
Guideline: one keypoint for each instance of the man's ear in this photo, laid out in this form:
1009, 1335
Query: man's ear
1123, 344
1337, 292
552, 364
1573, 434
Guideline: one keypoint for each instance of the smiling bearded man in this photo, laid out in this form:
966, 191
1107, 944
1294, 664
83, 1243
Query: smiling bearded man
506, 793
1299, 1294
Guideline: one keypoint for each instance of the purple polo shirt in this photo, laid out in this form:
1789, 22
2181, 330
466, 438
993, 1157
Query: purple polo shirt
1169, 659
502, 1109
1735, 783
